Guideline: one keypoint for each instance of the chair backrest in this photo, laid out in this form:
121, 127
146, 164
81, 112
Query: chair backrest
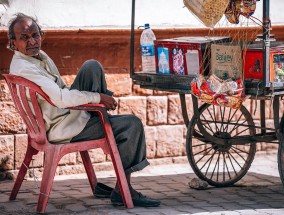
24, 94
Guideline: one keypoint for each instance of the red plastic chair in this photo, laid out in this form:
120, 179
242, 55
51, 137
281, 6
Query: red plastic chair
24, 94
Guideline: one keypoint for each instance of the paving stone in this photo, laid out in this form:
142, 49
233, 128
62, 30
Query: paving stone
4, 198
275, 204
76, 207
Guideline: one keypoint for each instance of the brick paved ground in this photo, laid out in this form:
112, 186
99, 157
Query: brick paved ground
259, 192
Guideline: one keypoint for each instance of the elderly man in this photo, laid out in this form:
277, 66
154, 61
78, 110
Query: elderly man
30, 62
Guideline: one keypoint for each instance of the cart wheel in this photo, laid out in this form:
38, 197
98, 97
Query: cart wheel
281, 157
218, 164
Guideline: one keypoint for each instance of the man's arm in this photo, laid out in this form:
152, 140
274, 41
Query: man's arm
62, 98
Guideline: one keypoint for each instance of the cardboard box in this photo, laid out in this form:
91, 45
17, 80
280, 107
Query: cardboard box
185, 55
226, 61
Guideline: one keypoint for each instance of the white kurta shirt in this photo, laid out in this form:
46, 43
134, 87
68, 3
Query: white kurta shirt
61, 124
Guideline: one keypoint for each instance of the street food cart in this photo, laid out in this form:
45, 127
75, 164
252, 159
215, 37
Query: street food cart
221, 141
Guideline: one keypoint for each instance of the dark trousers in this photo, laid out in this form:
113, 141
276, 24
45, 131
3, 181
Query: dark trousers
128, 130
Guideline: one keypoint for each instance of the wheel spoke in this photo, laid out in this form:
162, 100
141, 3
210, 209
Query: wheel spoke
210, 159
227, 166
215, 119
222, 118
202, 144
238, 153
240, 150
224, 161
207, 123
208, 126
203, 156
237, 124
218, 166
215, 166
212, 117
232, 163
241, 132
235, 159
230, 119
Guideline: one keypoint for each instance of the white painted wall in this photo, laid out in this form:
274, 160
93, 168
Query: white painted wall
117, 13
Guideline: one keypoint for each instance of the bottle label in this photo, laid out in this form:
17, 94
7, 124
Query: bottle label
147, 50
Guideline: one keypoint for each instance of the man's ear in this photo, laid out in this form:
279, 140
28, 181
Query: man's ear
11, 44
42, 36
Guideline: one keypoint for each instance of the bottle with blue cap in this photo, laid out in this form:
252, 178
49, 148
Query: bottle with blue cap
147, 49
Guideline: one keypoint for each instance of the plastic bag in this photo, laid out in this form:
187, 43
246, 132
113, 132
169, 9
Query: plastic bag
213, 90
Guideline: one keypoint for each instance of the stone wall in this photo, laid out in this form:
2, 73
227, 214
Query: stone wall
159, 111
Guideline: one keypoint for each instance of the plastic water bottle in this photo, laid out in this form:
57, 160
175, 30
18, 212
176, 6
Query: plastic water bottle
147, 49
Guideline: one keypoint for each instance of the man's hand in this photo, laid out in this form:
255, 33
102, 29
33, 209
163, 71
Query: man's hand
108, 101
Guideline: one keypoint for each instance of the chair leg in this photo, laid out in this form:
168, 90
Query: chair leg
121, 179
22, 172
119, 171
89, 169
52, 157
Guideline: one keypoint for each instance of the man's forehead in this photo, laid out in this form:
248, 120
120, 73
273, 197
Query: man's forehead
25, 26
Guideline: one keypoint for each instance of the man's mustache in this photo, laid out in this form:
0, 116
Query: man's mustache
32, 47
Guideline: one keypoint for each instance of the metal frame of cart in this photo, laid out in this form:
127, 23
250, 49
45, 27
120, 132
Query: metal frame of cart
225, 138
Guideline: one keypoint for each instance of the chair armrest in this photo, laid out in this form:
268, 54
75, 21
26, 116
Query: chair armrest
89, 107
